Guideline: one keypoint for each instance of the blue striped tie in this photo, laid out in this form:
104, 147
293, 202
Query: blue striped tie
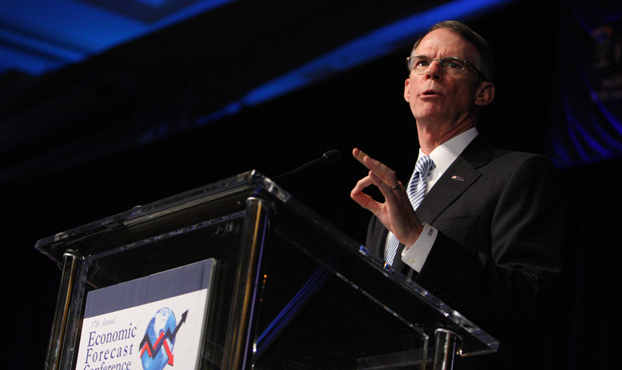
416, 192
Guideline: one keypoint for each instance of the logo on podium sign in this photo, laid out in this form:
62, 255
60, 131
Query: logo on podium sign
157, 346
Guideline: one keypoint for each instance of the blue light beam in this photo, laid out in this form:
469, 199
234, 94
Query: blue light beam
378, 43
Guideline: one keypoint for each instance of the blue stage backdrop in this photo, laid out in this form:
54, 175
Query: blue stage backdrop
589, 67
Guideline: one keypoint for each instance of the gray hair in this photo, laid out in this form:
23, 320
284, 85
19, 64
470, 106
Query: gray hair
485, 60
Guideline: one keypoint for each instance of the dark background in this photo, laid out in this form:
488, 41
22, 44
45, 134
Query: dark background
362, 107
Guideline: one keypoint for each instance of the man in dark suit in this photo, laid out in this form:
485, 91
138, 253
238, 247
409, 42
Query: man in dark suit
485, 238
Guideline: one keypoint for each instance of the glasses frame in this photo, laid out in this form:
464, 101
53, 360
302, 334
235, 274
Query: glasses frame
466, 64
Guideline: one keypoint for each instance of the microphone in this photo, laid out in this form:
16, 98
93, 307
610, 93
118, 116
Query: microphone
330, 156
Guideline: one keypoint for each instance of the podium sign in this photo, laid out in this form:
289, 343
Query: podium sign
155, 321
288, 289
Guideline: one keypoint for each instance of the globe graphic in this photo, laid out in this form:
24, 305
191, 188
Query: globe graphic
161, 322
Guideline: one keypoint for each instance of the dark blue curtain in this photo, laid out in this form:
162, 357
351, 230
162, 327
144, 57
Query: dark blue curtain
588, 63
585, 140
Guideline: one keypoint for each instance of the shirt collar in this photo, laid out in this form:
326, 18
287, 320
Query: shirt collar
445, 154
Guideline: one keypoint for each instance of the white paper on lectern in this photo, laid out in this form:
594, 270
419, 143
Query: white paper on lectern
142, 324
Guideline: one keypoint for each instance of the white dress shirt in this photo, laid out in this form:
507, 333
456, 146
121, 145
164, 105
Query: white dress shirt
443, 156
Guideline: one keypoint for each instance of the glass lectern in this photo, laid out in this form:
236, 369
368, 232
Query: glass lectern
290, 291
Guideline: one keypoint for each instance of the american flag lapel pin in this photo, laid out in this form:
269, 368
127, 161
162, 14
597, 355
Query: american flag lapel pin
457, 178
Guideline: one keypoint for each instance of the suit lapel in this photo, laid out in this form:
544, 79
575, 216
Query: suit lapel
455, 181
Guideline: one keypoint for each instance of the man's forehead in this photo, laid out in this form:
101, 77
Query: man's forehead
445, 40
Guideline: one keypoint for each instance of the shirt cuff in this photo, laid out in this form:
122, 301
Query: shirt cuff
416, 255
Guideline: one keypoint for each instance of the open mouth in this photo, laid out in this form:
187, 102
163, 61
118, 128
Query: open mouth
429, 93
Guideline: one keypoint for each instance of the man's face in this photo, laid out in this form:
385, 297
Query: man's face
437, 97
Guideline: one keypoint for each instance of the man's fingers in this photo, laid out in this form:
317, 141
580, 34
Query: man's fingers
363, 199
359, 155
362, 184
389, 191
384, 172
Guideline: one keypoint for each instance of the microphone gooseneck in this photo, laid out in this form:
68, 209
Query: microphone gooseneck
331, 156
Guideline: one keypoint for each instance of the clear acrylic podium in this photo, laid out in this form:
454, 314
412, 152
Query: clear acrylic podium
291, 291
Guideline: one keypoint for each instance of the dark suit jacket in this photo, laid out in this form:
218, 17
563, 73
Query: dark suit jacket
500, 219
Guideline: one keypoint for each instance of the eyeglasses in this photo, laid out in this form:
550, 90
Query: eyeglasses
452, 65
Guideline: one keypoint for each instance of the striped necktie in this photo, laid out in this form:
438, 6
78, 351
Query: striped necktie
416, 191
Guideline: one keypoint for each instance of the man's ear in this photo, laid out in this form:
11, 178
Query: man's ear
485, 93
407, 90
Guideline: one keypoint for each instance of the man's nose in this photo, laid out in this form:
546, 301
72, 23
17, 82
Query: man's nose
434, 71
